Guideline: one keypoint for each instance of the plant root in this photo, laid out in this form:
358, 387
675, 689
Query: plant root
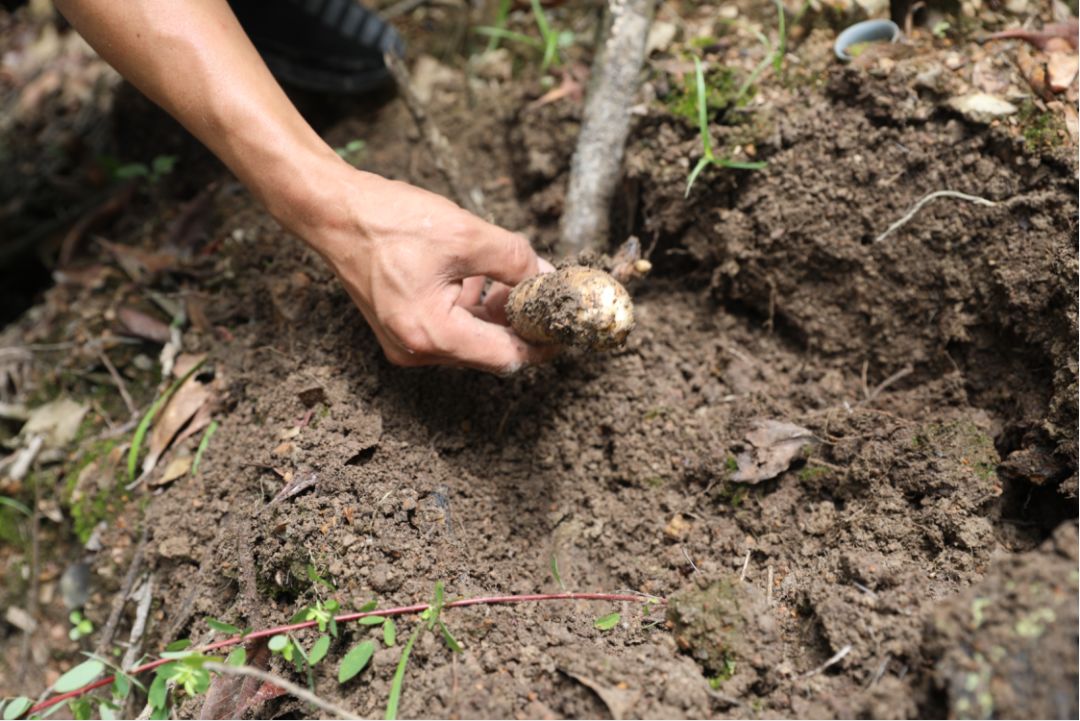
574, 306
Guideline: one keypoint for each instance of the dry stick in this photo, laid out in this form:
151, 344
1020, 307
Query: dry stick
441, 152
926, 199
347, 617
902, 373
299, 692
121, 599
118, 381
597, 162
831, 661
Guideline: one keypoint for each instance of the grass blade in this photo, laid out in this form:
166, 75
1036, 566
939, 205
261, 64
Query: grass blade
702, 110
501, 17
742, 164
203, 444
12, 503
399, 676
693, 175
503, 34
144, 424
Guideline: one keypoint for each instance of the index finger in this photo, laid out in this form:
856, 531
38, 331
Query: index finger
475, 343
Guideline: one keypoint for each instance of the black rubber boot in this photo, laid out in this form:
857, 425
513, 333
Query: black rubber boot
322, 45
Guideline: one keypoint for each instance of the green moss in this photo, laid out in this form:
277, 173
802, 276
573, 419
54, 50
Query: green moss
962, 442
811, 473
726, 672
1041, 129
1034, 624
102, 502
721, 87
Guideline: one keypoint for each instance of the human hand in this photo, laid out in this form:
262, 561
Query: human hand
416, 264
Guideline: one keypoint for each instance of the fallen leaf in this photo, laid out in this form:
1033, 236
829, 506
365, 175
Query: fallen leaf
57, 422
297, 485
775, 445
1061, 69
180, 409
231, 696
140, 265
620, 702
142, 325
982, 107
177, 469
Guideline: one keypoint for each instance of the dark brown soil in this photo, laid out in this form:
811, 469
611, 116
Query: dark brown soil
918, 560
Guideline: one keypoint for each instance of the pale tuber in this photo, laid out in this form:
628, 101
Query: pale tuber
573, 306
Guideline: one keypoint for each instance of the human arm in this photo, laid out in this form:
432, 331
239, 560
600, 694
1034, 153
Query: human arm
413, 262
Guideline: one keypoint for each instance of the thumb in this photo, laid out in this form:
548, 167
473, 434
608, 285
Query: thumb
503, 256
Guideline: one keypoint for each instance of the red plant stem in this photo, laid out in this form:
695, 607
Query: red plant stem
345, 618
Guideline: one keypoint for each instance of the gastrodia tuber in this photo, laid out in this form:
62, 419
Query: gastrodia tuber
573, 306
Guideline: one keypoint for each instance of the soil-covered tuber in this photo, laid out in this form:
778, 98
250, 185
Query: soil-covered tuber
574, 306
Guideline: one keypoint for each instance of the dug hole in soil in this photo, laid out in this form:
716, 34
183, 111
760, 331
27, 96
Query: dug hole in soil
917, 558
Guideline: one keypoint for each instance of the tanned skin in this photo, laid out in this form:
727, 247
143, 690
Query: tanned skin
413, 262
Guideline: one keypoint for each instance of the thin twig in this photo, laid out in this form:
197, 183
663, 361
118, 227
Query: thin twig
926, 199
35, 564
299, 692
902, 373
745, 565
832, 661
118, 381
120, 600
768, 587
346, 618
689, 560
441, 152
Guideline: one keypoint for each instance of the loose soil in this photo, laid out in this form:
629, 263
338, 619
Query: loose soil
918, 559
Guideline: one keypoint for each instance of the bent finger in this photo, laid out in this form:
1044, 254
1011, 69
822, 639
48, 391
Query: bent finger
467, 340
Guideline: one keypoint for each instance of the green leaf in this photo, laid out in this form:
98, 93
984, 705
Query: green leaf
131, 170
555, 571
608, 622
144, 424
701, 164
389, 633
86, 672
223, 627
159, 714
163, 165
237, 657
304, 614
702, 108
369, 606
81, 708
121, 686
436, 605
399, 676
742, 165
204, 443
16, 708
355, 661
12, 503
314, 577
318, 651
278, 643
371, 620
451, 642
106, 712
158, 694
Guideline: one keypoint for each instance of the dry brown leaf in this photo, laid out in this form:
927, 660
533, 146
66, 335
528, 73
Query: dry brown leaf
1061, 69
775, 445
620, 701
177, 469
142, 325
231, 696
180, 409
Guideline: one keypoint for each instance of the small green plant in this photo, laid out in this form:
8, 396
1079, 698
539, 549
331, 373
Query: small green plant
941, 29
608, 622
708, 157
352, 151
429, 621
13, 708
159, 167
551, 41
204, 443
80, 626
555, 571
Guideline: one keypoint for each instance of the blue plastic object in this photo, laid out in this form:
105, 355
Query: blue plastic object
867, 31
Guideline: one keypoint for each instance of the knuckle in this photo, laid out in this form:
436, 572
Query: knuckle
413, 336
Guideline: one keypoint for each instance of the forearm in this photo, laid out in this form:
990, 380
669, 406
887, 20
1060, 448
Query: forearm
193, 59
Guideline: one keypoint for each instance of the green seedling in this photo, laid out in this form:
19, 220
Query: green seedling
555, 571
608, 622
159, 167
12, 503
551, 41
429, 621
708, 157
15, 707
80, 626
352, 152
